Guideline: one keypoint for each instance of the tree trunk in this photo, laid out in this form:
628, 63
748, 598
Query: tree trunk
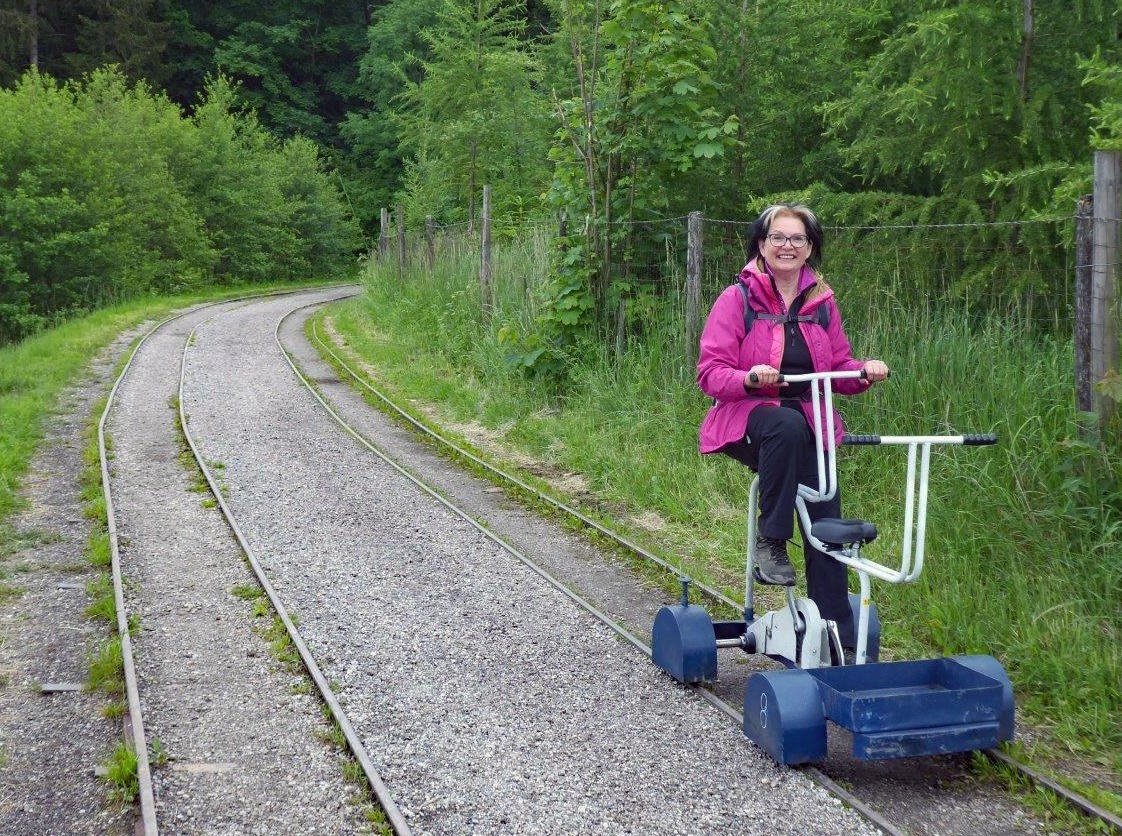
486, 279
741, 71
1027, 27
33, 34
471, 189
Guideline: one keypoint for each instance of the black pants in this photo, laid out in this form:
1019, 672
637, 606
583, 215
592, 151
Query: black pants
780, 447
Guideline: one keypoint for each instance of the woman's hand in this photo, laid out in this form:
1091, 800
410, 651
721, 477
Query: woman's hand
875, 370
765, 376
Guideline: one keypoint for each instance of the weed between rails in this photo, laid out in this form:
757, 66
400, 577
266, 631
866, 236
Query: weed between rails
1019, 535
121, 773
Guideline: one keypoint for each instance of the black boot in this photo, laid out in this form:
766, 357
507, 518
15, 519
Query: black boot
772, 564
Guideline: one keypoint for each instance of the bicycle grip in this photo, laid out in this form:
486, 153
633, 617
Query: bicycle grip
860, 439
978, 439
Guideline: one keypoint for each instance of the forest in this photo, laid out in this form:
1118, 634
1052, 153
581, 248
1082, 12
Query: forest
610, 112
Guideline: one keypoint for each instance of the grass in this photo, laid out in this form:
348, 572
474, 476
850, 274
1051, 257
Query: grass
122, 776
247, 591
102, 602
1020, 536
106, 668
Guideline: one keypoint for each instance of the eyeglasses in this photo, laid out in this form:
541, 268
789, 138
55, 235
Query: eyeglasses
777, 239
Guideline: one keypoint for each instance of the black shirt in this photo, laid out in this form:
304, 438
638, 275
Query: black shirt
796, 359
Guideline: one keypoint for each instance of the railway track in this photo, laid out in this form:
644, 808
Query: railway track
625, 623
430, 658
167, 810
725, 698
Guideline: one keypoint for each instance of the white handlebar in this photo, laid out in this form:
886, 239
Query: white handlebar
915, 500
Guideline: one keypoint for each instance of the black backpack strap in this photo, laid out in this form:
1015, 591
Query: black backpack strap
821, 314
751, 314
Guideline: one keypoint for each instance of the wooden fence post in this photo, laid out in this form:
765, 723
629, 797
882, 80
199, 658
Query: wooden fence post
401, 239
1084, 400
1104, 279
693, 286
384, 234
485, 288
430, 242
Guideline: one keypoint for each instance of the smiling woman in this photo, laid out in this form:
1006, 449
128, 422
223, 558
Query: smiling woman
792, 327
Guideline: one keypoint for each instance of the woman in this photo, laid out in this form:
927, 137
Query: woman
795, 328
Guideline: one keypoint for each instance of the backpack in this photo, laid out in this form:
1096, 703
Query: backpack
821, 314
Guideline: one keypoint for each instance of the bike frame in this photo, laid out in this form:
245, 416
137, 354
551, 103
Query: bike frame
915, 499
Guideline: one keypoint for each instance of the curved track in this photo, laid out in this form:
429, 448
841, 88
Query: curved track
947, 771
166, 693
491, 703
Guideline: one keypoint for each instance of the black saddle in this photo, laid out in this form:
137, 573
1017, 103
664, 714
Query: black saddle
838, 533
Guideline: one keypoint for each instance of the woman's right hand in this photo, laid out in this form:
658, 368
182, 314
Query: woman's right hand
764, 374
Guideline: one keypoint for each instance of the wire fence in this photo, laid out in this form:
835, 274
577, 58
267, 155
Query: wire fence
1024, 270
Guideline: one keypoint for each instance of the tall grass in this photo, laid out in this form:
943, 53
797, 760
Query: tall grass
1022, 537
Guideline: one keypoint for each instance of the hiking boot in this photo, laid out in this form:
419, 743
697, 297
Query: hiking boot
772, 565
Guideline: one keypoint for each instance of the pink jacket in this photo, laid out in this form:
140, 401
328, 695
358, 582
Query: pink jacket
727, 353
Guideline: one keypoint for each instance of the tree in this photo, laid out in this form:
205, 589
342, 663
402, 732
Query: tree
395, 56
960, 89
637, 110
474, 116
295, 60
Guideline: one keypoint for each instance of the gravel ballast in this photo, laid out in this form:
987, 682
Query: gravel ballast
236, 738
489, 701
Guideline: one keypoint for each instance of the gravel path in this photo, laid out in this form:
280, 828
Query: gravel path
488, 700
50, 744
240, 734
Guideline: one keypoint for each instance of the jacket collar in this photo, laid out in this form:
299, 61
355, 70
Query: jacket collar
761, 290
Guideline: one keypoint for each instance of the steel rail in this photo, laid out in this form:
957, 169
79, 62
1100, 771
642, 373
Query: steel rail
135, 726
1081, 802
867, 812
132, 690
1076, 799
389, 806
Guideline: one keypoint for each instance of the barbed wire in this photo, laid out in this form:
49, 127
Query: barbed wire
963, 225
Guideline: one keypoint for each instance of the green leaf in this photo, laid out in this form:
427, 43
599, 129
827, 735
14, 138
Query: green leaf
708, 150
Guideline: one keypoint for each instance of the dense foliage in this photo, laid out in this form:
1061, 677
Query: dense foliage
108, 192
614, 112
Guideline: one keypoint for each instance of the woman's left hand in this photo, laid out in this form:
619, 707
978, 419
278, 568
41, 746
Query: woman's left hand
875, 370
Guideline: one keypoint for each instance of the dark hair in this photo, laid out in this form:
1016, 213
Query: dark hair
762, 225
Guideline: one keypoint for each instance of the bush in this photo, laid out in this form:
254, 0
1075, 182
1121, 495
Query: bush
108, 192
